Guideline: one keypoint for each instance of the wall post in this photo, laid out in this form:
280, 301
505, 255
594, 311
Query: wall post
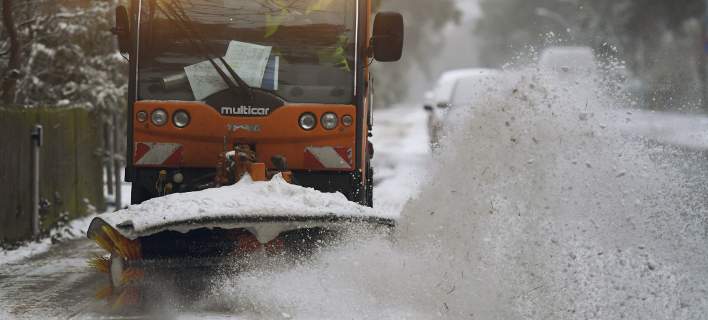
36, 137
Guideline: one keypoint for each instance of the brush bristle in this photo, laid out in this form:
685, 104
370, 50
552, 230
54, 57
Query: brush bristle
113, 242
100, 263
132, 275
126, 248
129, 297
104, 293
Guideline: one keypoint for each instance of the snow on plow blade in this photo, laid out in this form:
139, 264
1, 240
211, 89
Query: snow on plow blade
264, 209
206, 228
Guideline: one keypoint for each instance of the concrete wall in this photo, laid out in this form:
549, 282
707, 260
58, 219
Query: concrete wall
71, 177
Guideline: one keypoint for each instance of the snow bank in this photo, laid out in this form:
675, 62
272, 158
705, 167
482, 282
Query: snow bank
245, 200
73, 230
402, 152
684, 130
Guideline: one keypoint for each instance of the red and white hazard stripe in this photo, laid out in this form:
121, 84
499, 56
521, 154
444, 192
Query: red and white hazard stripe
158, 154
328, 158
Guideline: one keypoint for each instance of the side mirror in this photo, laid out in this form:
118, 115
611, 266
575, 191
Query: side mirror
122, 29
387, 40
444, 105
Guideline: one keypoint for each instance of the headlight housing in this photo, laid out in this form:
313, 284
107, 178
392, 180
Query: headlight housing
181, 119
308, 121
329, 121
347, 121
159, 117
142, 116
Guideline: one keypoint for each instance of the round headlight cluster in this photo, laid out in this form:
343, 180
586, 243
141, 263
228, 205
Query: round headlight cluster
181, 119
159, 117
329, 121
308, 121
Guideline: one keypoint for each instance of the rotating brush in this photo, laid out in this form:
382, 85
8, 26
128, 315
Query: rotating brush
123, 287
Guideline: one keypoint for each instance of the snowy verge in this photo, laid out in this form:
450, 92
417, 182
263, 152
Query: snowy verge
401, 157
681, 130
73, 230
245, 200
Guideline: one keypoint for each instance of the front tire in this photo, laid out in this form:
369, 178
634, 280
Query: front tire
370, 186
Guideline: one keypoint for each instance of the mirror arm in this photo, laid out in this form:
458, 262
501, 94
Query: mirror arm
372, 43
370, 48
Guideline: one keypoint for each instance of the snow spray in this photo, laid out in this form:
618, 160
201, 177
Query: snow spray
540, 208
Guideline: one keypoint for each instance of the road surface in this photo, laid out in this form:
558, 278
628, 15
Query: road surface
58, 284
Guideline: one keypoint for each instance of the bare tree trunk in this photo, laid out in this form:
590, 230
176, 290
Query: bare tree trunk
117, 164
109, 146
9, 83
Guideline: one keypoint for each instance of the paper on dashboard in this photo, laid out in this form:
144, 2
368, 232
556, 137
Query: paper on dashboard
248, 60
204, 79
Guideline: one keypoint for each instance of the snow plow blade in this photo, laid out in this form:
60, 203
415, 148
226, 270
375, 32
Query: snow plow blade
220, 236
248, 211
264, 229
216, 241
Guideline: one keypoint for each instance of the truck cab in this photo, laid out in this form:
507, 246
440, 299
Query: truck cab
288, 81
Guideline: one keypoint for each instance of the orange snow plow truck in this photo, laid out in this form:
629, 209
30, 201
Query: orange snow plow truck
285, 81
221, 89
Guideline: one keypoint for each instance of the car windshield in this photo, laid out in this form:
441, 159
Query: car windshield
300, 50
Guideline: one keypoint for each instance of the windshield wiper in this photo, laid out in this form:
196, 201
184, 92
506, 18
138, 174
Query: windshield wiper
175, 13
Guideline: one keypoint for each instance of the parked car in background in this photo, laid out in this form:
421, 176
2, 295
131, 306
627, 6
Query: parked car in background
454, 88
579, 64
577, 61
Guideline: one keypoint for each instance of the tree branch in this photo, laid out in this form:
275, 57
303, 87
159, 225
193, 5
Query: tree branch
9, 84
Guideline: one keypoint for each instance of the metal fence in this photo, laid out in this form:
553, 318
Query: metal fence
71, 168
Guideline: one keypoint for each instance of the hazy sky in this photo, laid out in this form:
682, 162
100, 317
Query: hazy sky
458, 38
470, 8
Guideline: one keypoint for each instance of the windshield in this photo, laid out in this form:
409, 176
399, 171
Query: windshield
301, 50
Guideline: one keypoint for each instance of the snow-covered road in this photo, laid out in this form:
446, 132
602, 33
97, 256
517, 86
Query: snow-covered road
45, 281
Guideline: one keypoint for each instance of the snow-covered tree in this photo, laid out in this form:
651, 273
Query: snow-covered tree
424, 19
67, 55
659, 40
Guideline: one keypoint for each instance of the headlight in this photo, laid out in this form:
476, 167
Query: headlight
347, 121
142, 116
181, 119
329, 121
159, 117
308, 121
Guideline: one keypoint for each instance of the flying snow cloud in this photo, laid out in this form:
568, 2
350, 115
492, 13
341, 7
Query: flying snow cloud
538, 206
